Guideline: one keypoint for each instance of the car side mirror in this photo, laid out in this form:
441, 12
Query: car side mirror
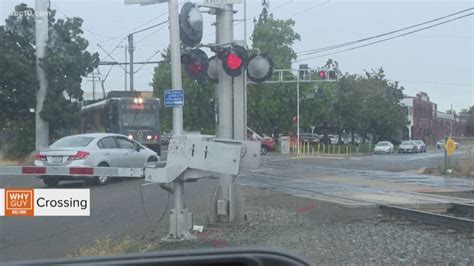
137, 147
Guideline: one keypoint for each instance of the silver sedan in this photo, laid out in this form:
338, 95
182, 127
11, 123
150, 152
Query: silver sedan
93, 150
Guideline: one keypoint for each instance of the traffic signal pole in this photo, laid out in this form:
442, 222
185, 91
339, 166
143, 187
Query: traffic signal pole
41, 25
227, 202
180, 224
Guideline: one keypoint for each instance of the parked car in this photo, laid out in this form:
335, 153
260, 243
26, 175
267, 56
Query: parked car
440, 144
383, 147
309, 138
407, 147
267, 143
94, 150
421, 146
334, 139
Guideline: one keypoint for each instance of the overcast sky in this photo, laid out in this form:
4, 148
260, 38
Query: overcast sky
438, 61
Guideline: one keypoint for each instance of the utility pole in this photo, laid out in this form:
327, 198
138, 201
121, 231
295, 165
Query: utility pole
125, 69
93, 86
227, 202
130, 51
298, 112
179, 215
41, 26
451, 128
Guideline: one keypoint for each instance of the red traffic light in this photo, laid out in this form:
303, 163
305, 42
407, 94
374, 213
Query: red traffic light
322, 74
235, 60
196, 64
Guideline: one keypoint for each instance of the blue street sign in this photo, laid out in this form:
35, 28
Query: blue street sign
174, 98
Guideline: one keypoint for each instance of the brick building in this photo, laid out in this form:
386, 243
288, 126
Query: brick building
425, 122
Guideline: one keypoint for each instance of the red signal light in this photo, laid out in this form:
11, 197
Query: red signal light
196, 64
195, 68
233, 61
322, 74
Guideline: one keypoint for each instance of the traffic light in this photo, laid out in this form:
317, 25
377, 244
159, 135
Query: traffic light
260, 67
322, 74
332, 75
196, 64
303, 71
234, 60
190, 25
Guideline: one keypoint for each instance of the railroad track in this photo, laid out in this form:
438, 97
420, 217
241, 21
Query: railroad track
458, 216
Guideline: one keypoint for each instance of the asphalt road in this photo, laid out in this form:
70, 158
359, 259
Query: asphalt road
117, 210
380, 162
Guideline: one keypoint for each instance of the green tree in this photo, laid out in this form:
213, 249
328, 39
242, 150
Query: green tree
470, 121
273, 105
198, 113
385, 115
65, 62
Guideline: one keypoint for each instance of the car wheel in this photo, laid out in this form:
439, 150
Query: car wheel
263, 150
102, 180
51, 181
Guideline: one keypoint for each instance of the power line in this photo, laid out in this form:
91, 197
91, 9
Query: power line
387, 39
110, 56
308, 9
318, 50
151, 34
437, 83
147, 61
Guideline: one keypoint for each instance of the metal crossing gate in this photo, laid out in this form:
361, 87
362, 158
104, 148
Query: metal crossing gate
72, 171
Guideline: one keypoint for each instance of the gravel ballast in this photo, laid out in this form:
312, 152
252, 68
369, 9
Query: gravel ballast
324, 233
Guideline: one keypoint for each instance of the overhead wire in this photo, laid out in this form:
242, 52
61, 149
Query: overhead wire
386, 39
317, 50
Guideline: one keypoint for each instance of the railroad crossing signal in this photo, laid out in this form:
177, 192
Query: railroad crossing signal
450, 146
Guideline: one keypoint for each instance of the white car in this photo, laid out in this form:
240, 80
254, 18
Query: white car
94, 150
383, 147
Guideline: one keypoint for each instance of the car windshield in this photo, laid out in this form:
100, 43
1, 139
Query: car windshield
304, 126
72, 142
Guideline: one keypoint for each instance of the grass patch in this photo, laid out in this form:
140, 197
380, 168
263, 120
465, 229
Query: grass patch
28, 160
465, 166
105, 246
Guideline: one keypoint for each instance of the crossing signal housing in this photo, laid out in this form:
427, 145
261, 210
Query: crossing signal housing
260, 67
196, 64
190, 25
234, 60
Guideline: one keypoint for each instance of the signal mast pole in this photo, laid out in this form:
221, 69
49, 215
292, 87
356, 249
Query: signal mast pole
227, 202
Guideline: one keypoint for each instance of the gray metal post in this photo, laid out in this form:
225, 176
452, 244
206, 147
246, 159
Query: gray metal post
224, 36
445, 155
180, 218
93, 85
41, 126
227, 202
298, 112
125, 69
239, 107
130, 50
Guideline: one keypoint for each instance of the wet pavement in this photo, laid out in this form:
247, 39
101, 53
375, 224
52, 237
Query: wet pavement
348, 184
